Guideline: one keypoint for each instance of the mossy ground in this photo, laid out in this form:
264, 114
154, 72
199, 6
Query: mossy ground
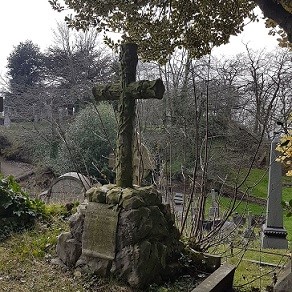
25, 263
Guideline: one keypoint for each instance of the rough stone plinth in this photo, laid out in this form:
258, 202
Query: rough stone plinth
147, 241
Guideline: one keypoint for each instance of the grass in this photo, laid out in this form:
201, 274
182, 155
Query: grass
25, 264
250, 275
25, 257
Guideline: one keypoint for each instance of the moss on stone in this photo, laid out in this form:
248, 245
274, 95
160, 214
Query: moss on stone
113, 196
133, 203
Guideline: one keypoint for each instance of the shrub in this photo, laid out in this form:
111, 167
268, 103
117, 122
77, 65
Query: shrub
88, 141
17, 210
4, 143
20, 142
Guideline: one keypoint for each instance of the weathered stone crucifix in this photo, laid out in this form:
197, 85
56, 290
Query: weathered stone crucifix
127, 91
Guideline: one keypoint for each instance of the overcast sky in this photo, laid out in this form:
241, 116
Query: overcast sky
22, 20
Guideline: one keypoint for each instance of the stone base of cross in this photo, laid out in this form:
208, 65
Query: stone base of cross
127, 91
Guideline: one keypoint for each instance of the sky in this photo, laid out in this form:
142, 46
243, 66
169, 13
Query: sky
34, 20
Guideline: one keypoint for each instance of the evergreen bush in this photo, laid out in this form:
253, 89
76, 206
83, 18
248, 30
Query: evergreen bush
87, 142
17, 210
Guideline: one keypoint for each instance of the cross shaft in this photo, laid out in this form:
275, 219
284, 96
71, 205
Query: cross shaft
127, 91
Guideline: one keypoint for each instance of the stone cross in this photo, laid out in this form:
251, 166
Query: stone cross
127, 91
274, 235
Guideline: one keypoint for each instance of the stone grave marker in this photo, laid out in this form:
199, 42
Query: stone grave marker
214, 209
249, 232
238, 219
127, 91
1, 104
7, 121
140, 243
178, 199
273, 232
99, 241
67, 188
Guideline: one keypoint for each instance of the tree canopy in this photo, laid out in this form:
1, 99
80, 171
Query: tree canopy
24, 64
158, 27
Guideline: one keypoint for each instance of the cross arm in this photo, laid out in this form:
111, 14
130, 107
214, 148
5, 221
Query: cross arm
143, 89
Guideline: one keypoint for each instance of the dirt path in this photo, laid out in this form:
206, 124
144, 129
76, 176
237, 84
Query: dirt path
24, 174
17, 169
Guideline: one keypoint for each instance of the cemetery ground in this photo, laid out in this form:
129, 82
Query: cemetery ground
25, 257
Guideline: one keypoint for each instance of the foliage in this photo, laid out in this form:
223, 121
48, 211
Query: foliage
25, 74
285, 148
250, 275
24, 64
77, 58
17, 210
288, 207
4, 143
48, 86
279, 24
23, 255
26, 142
158, 27
88, 141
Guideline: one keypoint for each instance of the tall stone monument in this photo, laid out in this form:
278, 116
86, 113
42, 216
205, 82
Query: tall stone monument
273, 232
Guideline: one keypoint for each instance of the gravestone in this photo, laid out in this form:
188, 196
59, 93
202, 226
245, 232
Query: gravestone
67, 188
249, 232
273, 233
214, 209
178, 199
35, 113
141, 244
1, 104
99, 241
238, 219
7, 121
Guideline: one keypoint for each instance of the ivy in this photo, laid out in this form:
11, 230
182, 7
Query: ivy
17, 210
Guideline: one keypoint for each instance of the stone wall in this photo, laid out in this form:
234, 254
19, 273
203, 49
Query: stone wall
146, 241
